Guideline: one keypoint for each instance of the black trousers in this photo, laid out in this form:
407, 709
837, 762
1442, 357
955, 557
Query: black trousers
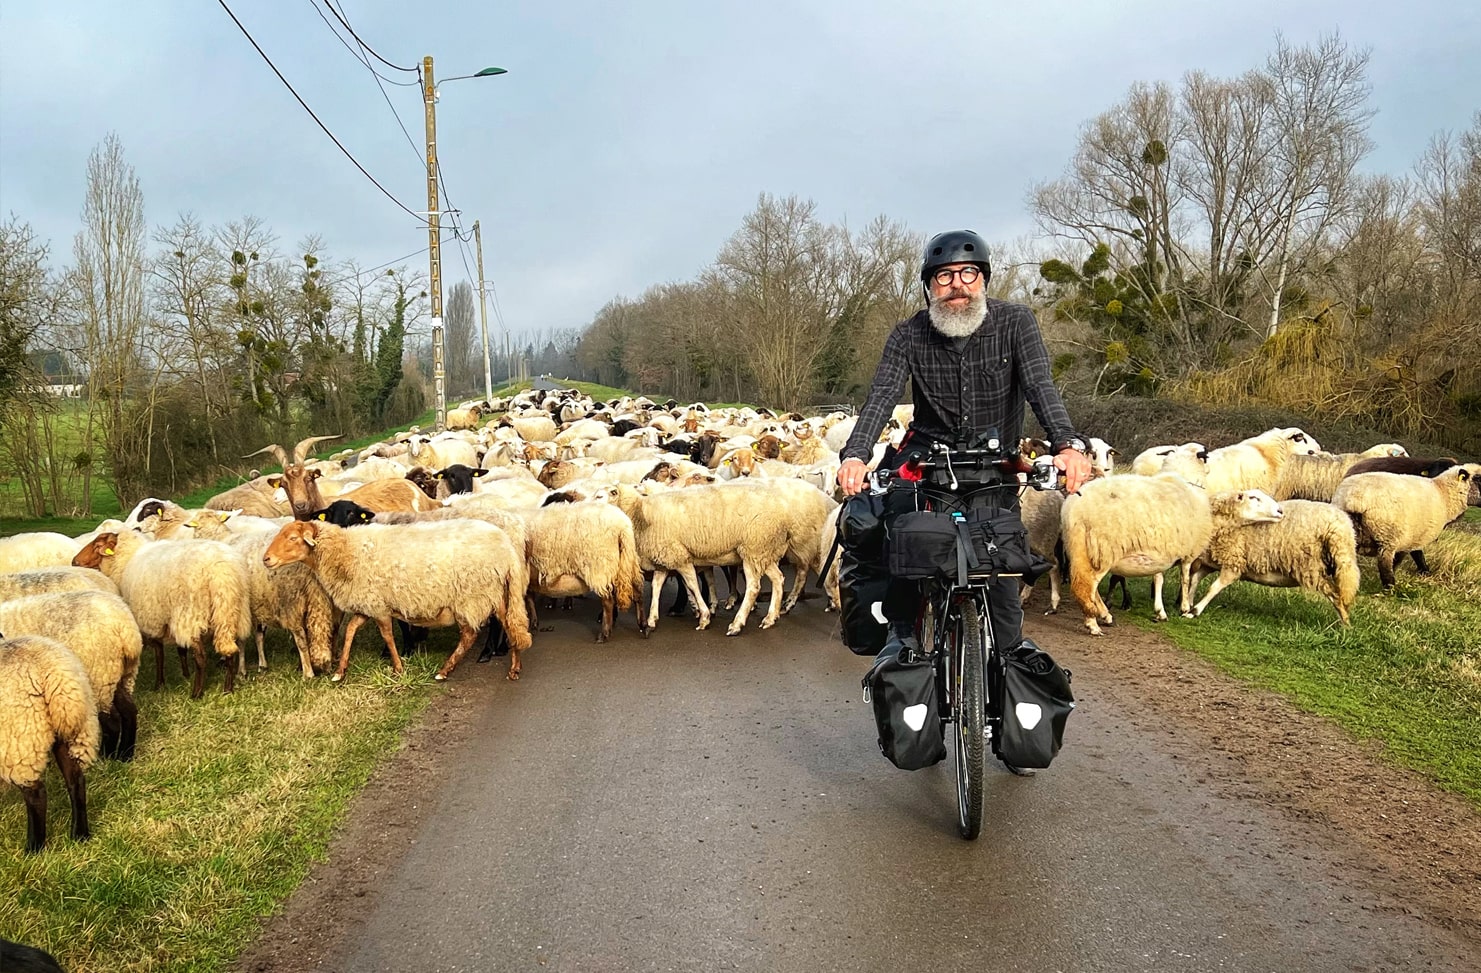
903, 598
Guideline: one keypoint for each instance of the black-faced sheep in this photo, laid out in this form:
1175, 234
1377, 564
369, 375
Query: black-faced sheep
1296, 543
1392, 512
48, 710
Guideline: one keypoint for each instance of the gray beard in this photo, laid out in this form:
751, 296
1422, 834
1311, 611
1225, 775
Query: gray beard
959, 324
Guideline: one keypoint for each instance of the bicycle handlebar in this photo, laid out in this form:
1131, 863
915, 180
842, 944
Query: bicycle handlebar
1040, 472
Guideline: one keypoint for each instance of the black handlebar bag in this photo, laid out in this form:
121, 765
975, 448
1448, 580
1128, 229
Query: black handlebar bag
1037, 703
955, 545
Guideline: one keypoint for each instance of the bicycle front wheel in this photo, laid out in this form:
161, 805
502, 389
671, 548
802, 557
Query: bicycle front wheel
970, 693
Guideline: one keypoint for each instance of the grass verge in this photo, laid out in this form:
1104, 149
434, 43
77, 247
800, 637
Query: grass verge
227, 804
1406, 674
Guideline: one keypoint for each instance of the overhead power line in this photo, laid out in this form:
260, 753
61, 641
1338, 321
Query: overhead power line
341, 18
336, 141
357, 55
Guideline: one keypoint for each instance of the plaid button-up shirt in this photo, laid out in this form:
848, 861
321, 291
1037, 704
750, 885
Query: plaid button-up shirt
964, 392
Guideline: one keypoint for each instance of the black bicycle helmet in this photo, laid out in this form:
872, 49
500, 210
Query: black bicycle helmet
955, 247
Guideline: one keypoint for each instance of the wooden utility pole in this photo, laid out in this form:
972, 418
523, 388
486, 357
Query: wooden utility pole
483, 320
434, 240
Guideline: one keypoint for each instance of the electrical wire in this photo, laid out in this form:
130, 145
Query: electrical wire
316, 118
341, 18
378, 79
371, 270
360, 56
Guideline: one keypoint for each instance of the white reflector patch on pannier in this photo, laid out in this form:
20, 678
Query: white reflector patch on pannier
914, 716
877, 610
1029, 714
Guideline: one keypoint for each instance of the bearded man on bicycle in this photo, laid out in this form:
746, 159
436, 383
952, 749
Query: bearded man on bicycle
972, 361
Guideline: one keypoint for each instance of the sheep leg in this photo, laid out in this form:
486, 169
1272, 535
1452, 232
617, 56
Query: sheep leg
231, 672
731, 588
35, 797
1420, 565
691, 581
774, 573
1189, 587
109, 724
659, 577
466, 636
71, 769
184, 661
1386, 568
1083, 585
159, 663
128, 723
798, 582
753, 591
198, 678
351, 627
680, 607
1224, 580
609, 605
388, 635
495, 642
1158, 612
261, 655
1054, 582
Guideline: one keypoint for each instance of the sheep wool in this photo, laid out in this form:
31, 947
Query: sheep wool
429, 574
101, 631
43, 549
1254, 463
186, 592
47, 708
1315, 477
1311, 545
1134, 526
1393, 513
44, 581
576, 548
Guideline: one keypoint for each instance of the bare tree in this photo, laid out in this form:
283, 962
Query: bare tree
1317, 133
110, 280
189, 297
459, 324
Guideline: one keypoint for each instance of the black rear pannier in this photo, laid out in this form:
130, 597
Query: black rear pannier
906, 711
1036, 705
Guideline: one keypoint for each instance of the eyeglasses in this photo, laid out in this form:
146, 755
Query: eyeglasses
968, 275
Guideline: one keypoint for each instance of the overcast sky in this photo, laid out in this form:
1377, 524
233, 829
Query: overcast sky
627, 141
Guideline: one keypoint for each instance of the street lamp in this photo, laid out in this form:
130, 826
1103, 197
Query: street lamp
434, 228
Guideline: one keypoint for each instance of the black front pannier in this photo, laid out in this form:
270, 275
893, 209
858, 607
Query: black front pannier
863, 578
937, 544
906, 711
1037, 703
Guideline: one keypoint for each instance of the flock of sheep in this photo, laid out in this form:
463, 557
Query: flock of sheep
550, 495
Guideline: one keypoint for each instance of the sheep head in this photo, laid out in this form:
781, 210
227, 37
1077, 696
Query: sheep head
92, 555
294, 543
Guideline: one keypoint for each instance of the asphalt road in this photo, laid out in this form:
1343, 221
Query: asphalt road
697, 802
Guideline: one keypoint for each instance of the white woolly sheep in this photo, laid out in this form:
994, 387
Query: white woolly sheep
291, 598
464, 572
47, 708
1254, 463
532, 428
101, 631
1040, 512
40, 549
1149, 461
679, 530
1296, 543
45, 581
1393, 513
257, 497
588, 547
507, 494
1133, 526
184, 592
1315, 477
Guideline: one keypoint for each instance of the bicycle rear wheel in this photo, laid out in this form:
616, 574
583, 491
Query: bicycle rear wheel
969, 692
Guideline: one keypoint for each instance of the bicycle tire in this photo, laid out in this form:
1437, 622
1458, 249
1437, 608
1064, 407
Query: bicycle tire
971, 709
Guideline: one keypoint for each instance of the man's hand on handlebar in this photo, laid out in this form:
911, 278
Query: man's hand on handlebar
851, 476
1076, 468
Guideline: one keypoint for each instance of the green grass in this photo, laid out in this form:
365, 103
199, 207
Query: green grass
1406, 674
228, 802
